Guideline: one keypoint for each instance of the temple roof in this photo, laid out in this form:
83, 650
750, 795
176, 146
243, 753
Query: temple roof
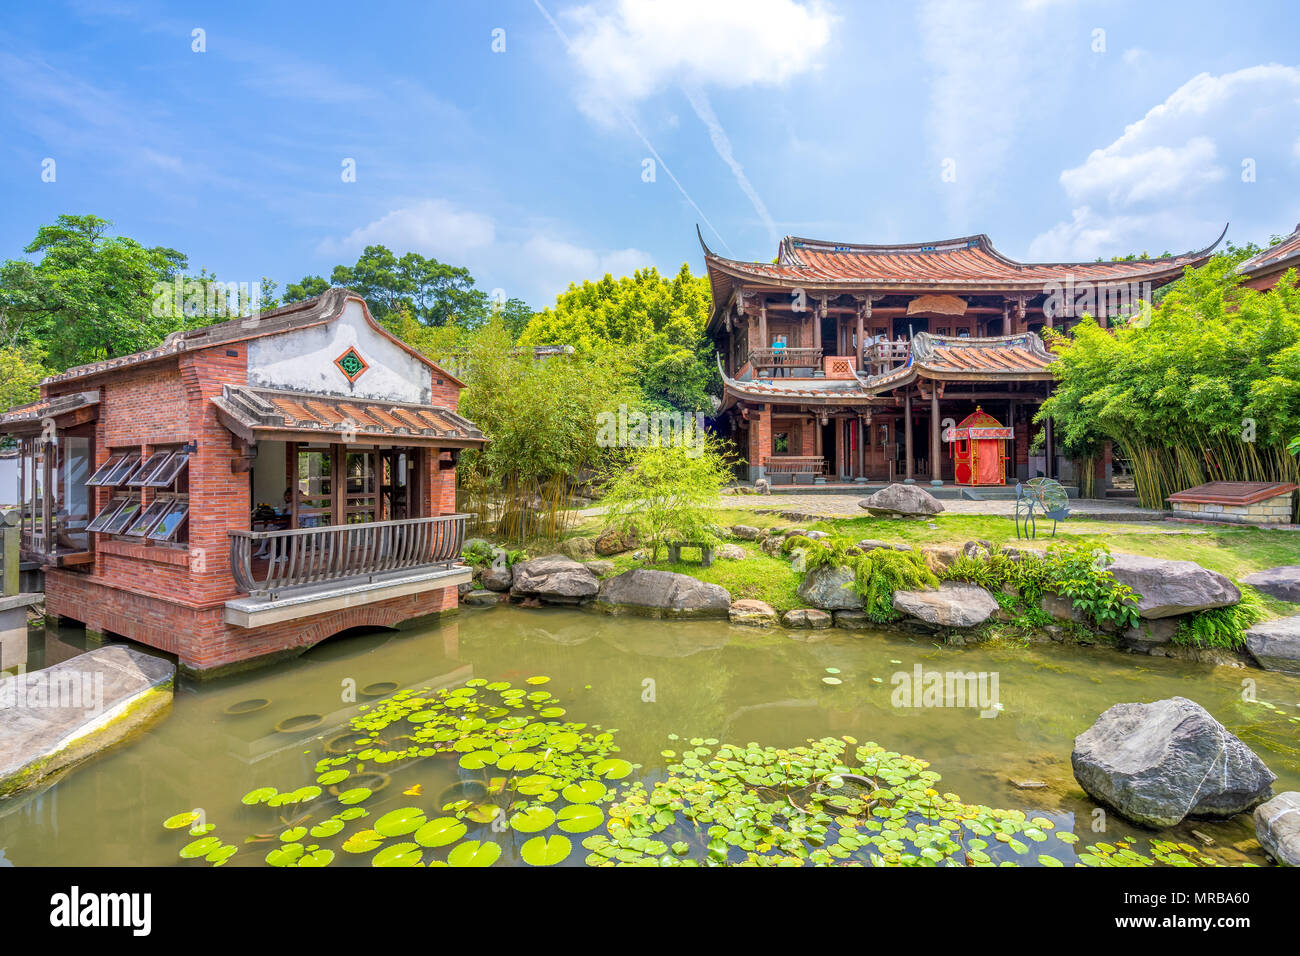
282, 415
30, 418
1278, 258
969, 264
1005, 358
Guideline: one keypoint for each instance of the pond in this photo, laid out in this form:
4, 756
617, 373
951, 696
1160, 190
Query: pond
666, 697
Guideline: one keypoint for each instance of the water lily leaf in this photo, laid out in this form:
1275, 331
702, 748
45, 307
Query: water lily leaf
286, 855
327, 828
181, 819
580, 817
440, 832
332, 776
200, 847
612, 768
474, 853
317, 858
537, 680
584, 791
545, 851
363, 841
260, 795
355, 795
293, 834
399, 854
532, 819
221, 854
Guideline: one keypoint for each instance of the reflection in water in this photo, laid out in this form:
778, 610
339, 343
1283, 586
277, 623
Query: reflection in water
705, 679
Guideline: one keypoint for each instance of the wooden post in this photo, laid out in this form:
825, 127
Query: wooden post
1049, 465
935, 461
909, 459
817, 323
762, 324
862, 307
863, 433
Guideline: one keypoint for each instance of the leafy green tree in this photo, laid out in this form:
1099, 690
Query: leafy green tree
21, 371
666, 491
436, 294
90, 296
656, 322
1207, 389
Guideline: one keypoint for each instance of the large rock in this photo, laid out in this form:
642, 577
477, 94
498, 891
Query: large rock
554, 579
871, 544
498, 578
953, 605
612, 541
1275, 644
939, 557
752, 613
730, 552
806, 617
1282, 583
53, 718
580, 549
901, 501
1277, 825
1172, 587
483, 598
830, 589
1158, 763
663, 594
745, 532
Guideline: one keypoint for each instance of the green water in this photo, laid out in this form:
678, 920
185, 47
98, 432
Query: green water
647, 680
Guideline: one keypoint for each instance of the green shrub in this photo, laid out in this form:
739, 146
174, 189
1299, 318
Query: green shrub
1222, 626
876, 574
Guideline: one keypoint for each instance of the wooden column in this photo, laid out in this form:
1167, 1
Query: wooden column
817, 323
839, 448
863, 432
762, 324
862, 307
935, 461
909, 457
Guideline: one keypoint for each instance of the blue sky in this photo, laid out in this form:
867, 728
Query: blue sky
1064, 130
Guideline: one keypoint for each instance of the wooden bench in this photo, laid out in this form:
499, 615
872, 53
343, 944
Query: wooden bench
706, 552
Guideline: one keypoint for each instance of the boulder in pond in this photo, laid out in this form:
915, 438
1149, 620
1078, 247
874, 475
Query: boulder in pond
1277, 825
554, 579
901, 501
498, 578
1158, 763
753, 613
953, 605
64, 713
601, 567
1282, 583
830, 589
663, 594
1172, 587
1275, 644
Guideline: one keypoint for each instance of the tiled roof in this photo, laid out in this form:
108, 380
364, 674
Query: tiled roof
1280, 257
969, 263
1012, 355
33, 413
296, 315
263, 412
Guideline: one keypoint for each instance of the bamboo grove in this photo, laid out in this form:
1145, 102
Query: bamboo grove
1207, 388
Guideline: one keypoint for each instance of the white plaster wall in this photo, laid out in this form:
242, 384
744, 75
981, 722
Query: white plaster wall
304, 360
269, 479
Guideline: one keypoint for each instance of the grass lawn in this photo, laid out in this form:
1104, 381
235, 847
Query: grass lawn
1233, 552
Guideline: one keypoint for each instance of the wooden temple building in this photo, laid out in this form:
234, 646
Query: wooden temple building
846, 362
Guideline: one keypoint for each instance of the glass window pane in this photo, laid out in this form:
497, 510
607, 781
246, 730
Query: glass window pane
104, 470
110, 509
149, 517
168, 471
172, 521
123, 517
140, 476
124, 468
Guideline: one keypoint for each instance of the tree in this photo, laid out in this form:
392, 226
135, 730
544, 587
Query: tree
666, 491
21, 371
91, 295
434, 293
658, 323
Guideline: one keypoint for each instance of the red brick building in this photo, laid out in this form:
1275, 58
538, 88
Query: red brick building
247, 489
852, 362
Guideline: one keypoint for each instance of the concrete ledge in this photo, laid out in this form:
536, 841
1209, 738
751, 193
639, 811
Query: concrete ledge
52, 718
337, 596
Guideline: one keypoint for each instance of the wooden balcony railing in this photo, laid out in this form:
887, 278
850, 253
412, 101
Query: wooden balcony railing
886, 355
793, 464
785, 358
267, 562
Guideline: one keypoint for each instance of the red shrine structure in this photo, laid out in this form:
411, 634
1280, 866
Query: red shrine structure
977, 449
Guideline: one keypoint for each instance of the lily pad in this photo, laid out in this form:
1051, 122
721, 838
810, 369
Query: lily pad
545, 851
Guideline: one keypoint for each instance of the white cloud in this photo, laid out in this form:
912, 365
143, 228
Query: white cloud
1176, 169
1135, 55
433, 227
531, 262
640, 47
1126, 177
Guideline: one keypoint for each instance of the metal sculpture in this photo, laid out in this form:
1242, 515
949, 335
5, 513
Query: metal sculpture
1040, 496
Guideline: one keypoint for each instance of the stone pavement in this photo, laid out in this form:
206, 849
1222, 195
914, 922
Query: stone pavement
847, 506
